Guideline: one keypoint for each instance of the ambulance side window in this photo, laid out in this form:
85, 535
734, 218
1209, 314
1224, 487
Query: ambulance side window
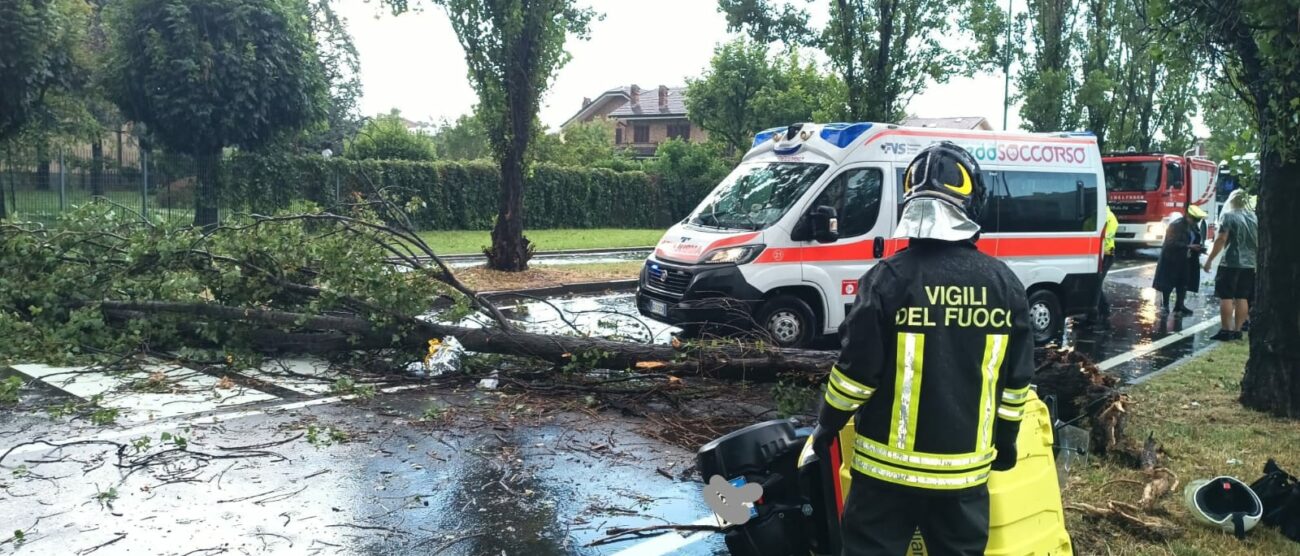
855, 194
1047, 202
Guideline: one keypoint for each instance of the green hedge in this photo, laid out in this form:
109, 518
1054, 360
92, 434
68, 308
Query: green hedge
461, 195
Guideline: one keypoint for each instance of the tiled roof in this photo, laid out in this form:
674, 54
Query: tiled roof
969, 122
648, 104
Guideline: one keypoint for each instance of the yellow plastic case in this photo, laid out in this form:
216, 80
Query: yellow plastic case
1025, 515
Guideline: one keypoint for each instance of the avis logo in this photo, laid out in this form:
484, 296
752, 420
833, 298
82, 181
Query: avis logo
897, 148
733, 504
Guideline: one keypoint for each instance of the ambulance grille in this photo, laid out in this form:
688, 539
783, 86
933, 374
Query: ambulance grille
666, 279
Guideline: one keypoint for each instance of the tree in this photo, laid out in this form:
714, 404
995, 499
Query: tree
884, 50
38, 42
464, 139
342, 72
1231, 122
513, 48
742, 93
1048, 82
1256, 45
204, 75
589, 144
386, 137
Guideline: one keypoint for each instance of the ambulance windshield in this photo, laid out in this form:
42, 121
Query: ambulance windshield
1132, 176
756, 195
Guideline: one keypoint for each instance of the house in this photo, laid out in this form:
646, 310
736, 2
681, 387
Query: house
969, 122
642, 118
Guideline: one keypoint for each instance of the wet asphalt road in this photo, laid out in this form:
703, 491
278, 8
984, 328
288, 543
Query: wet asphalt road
484, 475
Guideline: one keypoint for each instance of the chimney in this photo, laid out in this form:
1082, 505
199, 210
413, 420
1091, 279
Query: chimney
636, 96
663, 98
586, 101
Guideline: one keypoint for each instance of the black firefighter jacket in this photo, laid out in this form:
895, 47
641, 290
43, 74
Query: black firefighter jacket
936, 360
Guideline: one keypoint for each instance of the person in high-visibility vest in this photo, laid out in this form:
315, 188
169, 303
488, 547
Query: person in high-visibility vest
936, 359
1102, 317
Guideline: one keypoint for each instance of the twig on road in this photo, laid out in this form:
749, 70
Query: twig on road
617, 534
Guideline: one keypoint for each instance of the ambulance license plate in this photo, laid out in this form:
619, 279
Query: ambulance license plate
658, 307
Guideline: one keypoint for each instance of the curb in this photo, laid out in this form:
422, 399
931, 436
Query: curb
558, 253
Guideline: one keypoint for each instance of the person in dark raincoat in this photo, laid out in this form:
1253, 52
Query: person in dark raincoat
1179, 269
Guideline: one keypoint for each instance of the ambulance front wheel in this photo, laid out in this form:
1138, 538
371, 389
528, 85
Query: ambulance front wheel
786, 321
1045, 317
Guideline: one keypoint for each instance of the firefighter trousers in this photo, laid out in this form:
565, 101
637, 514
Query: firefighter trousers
880, 521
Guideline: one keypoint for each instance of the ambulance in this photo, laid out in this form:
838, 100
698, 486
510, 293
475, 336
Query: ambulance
779, 245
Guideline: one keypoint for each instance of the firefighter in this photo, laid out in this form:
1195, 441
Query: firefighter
935, 364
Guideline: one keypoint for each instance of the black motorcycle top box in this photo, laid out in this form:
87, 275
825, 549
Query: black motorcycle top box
749, 451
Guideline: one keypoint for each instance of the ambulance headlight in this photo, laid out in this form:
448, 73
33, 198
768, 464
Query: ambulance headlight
733, 255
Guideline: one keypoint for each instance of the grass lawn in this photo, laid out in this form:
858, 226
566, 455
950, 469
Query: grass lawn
1194, 413
538, 276
457, 242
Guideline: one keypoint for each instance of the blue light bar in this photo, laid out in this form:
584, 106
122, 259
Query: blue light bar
842, 134
765, 135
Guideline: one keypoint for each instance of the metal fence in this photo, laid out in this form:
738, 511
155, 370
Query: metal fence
39, 185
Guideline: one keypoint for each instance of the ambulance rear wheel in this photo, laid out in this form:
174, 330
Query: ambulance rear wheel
786, 321
1045, 317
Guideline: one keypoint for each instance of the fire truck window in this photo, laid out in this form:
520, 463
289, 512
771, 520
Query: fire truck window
855, 194
1173, 175
1045, 202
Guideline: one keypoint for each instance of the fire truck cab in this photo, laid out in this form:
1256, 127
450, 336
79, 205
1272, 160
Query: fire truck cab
1146, 191
780, 244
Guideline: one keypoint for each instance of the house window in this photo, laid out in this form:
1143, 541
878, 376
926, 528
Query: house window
618, 136
679, 131
641, 134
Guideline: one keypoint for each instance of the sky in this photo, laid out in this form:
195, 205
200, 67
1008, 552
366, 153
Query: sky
414, 63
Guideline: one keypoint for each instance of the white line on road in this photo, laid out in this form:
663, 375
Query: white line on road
668, 543
1153, 346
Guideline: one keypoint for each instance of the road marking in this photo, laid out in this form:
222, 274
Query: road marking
1153, 346
669, 543
188, 391
171, 424
1128, 268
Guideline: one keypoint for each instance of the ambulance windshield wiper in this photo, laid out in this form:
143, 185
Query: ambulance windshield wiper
717, 221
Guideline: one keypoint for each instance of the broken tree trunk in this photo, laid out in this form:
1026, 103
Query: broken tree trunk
317, 333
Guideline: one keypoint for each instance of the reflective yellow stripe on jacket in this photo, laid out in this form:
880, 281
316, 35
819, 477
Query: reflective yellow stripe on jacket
844, 393
897, 461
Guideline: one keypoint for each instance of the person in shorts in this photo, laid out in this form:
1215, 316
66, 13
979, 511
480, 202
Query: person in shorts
1234, 284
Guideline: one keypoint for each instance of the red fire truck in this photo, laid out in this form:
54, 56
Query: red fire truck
1146, 190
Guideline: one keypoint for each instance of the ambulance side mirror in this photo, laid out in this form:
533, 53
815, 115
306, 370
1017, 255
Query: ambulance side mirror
825, 224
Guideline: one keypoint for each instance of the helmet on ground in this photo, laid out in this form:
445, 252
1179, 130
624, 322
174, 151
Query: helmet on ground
1224, 502
946, 172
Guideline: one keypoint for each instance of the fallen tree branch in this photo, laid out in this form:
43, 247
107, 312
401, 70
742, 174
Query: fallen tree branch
724, 360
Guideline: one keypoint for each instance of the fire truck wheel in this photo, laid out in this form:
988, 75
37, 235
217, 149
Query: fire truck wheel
1045, 316
786, 321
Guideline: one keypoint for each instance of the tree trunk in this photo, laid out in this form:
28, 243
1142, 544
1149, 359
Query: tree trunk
1272, 379
97, 166
510, 250
319, 334
207, 190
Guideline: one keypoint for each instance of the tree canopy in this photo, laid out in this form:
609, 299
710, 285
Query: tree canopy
386, 137
885, 51
208, 74
742, 92
38, 48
